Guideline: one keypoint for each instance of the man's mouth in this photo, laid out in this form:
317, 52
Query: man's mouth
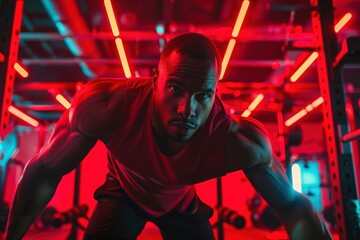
183, 124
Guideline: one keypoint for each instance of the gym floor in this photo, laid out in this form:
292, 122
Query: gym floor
153, 234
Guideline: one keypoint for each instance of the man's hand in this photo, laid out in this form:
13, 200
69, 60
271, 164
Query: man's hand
300, 219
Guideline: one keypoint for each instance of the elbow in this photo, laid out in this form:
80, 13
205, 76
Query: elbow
39, 171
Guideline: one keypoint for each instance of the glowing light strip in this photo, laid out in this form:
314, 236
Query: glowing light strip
304, 66
227, 56
2, 57
304, 111
317, 102
296, 177
256, 102
240, 18
19, 69
61, 99
344, 20
296, 117
112, 19
122, 55
23, 116
246, 113
253, 105
239, 21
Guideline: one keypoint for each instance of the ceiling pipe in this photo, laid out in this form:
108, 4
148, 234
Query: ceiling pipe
68, 20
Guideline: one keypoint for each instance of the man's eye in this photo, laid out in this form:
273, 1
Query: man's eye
203, 96
175, 90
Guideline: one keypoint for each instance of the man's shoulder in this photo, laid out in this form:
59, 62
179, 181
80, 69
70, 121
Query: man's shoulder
247, 138
96, 109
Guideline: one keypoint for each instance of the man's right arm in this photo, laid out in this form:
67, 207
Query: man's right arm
63, 152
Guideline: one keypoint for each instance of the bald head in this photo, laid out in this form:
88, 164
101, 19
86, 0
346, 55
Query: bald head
195, 46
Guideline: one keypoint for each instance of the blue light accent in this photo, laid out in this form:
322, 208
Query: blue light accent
8, 148
160, 29
73, 47
85, 69
50, 8
61, 27
310, 180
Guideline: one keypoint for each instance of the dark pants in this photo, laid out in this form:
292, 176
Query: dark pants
118, 217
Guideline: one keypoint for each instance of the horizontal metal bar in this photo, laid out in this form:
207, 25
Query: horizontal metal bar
67, 61
351, 135
246, 35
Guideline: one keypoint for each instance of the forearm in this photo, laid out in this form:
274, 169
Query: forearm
34, 191
304, 223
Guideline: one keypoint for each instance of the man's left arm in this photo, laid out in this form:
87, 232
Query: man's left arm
296, 211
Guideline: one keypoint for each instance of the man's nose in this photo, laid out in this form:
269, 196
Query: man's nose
187, 107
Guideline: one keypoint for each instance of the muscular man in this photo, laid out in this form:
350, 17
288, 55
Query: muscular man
163, 135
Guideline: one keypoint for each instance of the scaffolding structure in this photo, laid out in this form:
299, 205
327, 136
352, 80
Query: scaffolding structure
345, 190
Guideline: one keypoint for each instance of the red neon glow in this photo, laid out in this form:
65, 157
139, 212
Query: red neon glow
112, 19
317, 102
123, 59
21, 70
309, 108
2, 57
304, 111
227, 56
304, 66
296, 117
256, 102
61, 99
23, 116
246, 113
344, 20
240, 18
351, 135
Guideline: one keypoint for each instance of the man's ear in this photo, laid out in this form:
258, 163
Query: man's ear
155, 73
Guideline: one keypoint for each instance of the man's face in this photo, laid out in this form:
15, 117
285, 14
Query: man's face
184, 95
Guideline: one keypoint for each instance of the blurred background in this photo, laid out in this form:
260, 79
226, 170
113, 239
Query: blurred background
64, 44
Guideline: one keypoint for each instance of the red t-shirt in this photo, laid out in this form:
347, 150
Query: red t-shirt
156, 182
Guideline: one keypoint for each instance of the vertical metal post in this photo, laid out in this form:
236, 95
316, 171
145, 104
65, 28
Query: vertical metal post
10, 23
331, 86
220, 222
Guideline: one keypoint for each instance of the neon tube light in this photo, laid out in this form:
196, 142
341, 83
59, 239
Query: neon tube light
23, 116
61, 99
19, 69
296, 117
2, 57
112, 19
122, 55
227, 56
240, 18
344, 20
256, 102
317, 102
296, 177
304, 66
239, 21
304, 111
246, 113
